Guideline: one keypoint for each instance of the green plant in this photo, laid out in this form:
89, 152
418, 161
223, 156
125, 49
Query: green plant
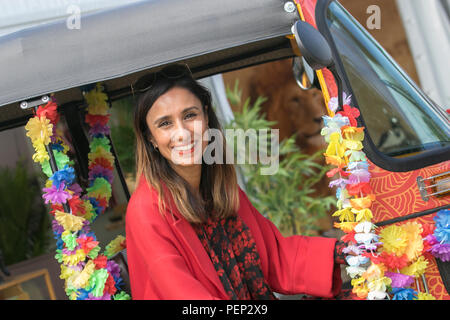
24, 221
284, 197
122, 133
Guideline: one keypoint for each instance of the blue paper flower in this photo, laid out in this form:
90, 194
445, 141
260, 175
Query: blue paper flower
403, 294
83, 294
98, 209
59, 242
57, 146
66, 175
442, 231
118, 283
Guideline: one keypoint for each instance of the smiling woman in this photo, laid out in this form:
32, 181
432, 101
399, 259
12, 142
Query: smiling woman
172, 115
208, 242
177, 124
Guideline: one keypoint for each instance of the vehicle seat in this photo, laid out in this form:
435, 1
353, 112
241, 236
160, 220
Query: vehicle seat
121, 259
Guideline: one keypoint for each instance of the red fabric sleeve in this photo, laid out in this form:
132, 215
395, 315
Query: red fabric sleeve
156, 268
297, 264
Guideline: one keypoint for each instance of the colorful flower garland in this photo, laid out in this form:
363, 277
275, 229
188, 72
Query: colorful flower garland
387, 263
88, 274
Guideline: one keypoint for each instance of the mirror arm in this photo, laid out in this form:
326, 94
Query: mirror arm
338, 79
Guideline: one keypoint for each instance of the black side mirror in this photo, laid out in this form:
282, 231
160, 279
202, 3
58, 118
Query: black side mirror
313, 46
316, 51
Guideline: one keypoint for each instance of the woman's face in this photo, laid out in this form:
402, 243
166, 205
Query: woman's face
177, 123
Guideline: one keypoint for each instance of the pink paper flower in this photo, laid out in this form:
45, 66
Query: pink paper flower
399, 280
56, 195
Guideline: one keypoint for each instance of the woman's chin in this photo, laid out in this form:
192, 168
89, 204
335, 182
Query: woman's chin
187, 160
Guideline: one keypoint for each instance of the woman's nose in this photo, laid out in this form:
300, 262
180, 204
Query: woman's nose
180, 133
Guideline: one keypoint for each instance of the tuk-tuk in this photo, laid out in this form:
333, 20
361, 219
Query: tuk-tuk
406, 136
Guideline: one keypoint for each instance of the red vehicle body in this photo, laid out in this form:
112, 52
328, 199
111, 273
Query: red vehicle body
398, 193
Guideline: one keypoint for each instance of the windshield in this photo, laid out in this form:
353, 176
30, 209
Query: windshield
399, 118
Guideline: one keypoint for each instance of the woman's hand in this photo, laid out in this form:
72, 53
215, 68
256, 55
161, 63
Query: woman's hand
340, 253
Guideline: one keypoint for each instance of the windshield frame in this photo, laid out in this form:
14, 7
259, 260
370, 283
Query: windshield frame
382, 160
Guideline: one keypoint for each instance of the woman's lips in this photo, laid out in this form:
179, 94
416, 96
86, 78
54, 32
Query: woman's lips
185, 149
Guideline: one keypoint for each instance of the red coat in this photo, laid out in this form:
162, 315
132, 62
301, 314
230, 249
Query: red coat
166, 260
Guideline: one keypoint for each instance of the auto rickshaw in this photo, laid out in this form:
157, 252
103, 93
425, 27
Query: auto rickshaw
406, 135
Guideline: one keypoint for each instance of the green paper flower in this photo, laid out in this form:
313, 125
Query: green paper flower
61, 160
101, 188
97, 282
70, 239
94, 252
59, 255
100, 142
122, 295
114, 247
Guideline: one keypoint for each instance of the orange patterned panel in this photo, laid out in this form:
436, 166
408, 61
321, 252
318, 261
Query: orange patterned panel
397, 194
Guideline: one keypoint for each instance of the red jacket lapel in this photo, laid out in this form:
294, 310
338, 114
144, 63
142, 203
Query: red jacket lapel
191, 243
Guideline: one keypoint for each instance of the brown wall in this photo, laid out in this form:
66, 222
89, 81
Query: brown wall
391, 35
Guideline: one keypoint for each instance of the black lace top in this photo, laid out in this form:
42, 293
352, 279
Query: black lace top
232, 250
233, 253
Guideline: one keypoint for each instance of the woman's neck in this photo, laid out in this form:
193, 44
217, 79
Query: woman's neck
192, 175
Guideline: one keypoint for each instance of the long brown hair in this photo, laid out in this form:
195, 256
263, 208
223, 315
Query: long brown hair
218, 183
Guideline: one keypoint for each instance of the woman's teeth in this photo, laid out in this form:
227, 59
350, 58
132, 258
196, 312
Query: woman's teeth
184, 148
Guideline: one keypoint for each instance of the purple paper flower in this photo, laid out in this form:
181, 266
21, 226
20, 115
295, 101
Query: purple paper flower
353, 249
106, 296
56, 195
113, 268
57, 228
369, 246
98, 171
341, 183
431, 239
441, 251
358, 176
333, 104
75, 188
98, 128
86, 227
78, 267
69, 252
399, 280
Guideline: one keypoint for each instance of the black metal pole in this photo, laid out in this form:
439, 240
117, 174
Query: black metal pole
119, 170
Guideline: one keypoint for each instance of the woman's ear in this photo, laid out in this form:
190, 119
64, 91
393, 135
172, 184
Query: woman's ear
149, 137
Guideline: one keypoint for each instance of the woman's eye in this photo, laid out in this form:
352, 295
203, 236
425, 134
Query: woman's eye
190, 115
164, 123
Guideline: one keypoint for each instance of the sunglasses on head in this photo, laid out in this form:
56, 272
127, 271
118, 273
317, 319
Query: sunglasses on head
174, 71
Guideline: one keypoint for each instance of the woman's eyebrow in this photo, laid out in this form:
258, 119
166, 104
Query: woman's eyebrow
168, 116
190, 108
